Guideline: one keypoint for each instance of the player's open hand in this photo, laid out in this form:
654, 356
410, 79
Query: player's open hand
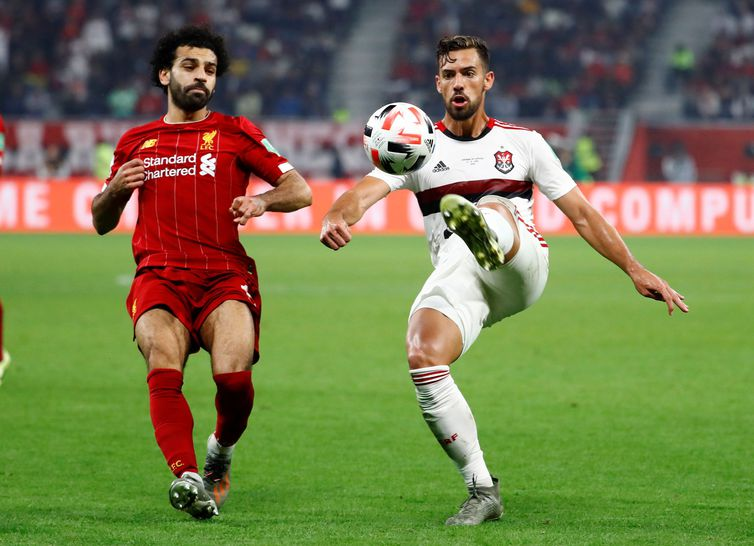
130, 176
335, 233
651, 286
245, 207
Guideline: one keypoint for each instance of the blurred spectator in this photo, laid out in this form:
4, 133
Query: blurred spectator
563, 148
103, 158
678, 165
54, 164
681, 66
336, 167
83, 58
550, 56
2, 143
722, 83
587, 157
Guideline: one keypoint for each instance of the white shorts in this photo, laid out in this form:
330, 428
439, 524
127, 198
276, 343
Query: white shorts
474, 298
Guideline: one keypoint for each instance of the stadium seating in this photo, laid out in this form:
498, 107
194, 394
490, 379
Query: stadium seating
722, 83
550, 56
90, 59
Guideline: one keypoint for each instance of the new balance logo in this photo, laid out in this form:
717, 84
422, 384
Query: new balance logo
208, 165
440, 167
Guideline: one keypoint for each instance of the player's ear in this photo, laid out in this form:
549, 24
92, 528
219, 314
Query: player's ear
164, 76
437, 84
489, 80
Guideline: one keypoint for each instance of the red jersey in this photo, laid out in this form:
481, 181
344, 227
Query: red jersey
2, 149
194, 171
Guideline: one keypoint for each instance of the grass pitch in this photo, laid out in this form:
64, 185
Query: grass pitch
607, 421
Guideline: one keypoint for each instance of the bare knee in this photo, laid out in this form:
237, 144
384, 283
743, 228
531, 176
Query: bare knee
157, 356
432, 340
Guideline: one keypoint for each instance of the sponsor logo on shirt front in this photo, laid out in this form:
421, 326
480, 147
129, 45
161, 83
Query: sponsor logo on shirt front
179, 165
208, 165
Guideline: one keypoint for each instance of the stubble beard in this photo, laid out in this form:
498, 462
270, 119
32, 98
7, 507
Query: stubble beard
464, 113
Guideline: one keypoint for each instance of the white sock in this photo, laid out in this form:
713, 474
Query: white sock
214, 445
501, 227
450, 419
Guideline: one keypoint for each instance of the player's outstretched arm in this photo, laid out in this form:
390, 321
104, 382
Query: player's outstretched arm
108, 205
291, 192
348, 209
606, 240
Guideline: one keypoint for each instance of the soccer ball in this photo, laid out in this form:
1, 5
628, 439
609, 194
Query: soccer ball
399, 138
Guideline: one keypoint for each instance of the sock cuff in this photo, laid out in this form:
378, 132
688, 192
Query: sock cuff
233, 380
232, 375
165, 374
427, 376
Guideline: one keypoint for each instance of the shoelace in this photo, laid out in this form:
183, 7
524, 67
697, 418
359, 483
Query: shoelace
473, 495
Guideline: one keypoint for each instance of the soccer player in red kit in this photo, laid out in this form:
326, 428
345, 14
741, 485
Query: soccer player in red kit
195, 287
2, 148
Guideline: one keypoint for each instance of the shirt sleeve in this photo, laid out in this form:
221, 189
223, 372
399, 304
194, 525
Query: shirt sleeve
259, 155
546, 171
395, 181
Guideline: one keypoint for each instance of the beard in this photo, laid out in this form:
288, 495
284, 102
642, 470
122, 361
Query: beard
187, 101
463, 113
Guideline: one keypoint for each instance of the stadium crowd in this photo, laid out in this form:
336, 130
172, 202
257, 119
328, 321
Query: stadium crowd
89, 58
550, 56
721, 83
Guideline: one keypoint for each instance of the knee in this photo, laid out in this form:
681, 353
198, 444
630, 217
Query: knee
231, 363
424, 355
162, 357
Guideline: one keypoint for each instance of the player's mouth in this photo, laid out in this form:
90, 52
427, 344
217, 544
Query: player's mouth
459, 101
199, 88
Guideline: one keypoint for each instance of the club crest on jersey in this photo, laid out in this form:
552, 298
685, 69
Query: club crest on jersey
504, 161
149, 143
208, 140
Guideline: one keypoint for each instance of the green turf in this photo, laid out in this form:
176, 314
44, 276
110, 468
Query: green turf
607, 421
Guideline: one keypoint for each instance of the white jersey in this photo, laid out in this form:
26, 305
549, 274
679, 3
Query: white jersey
505, 160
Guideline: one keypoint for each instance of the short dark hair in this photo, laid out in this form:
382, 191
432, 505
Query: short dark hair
454, 43
192, 36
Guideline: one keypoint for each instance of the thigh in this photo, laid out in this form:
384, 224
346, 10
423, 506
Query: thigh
520, 282
162, 339
455, 290
228, 334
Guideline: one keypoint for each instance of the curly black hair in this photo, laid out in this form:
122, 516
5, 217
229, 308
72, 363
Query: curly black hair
455, 43
192, 36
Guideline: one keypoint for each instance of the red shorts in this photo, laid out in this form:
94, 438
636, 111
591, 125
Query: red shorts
192, 295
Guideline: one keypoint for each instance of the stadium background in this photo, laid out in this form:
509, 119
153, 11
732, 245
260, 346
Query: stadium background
635, 429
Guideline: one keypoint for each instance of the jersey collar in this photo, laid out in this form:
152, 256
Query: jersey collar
444, 130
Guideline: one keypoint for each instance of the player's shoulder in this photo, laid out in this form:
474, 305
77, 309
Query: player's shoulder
140, 132
238, 124
505, 126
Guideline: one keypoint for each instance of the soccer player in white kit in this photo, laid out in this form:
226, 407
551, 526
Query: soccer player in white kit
490, 263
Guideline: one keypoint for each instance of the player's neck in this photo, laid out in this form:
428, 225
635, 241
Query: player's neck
472, 127
177, 115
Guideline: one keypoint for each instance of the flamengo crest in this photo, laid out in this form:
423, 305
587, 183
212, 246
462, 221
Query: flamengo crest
504, 161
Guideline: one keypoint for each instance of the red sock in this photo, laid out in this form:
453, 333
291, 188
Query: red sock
234, 400
172, 420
